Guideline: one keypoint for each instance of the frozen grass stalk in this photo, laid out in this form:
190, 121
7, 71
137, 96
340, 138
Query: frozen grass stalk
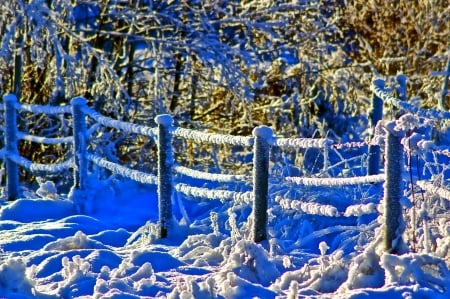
165, 163
12, 171
263, 135
393, 218
375, 115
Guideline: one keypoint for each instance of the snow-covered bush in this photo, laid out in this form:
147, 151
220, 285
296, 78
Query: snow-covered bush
423, 269
14, 281
250, 261
323, 274
47, 189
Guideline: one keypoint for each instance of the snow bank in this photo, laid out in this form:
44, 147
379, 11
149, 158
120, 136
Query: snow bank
27, 210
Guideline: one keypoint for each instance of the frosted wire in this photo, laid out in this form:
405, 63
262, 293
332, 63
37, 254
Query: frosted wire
429, 187
212, 137
44, 140
303, 142
428, 113
222, 195
33, 167
44, 109
361, 209
310, 208
336, 182
136, 175
120, 125
216, 177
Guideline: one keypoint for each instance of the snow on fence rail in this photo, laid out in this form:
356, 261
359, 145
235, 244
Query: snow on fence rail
261, 141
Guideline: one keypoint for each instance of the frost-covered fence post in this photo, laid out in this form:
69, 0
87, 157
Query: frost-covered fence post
375, 115
165, 163
12, 170
401, 88
445, 89
79, 142
261, 150
393, 217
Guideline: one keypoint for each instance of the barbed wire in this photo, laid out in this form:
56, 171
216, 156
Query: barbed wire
350, 144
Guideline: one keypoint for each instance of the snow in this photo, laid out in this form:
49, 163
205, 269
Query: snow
48, 251
264, 132
164, 119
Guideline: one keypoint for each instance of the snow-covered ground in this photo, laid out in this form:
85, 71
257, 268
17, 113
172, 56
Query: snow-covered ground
48, 250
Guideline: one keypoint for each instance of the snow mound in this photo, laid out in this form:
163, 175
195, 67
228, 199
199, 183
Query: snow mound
28, 210
79, 241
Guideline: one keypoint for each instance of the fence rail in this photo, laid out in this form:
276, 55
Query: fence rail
262, 140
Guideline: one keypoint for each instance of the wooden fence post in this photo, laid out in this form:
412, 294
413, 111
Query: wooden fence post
79, 142
393, 191
445, 89
401, 88
12, 170
261, 150
165, 163
375, 115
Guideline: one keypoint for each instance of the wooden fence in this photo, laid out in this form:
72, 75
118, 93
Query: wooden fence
262, 140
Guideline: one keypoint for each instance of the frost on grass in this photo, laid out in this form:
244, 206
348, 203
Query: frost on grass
250, 261
74, 271
426, 270
323, 274
202, 250
189, 288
